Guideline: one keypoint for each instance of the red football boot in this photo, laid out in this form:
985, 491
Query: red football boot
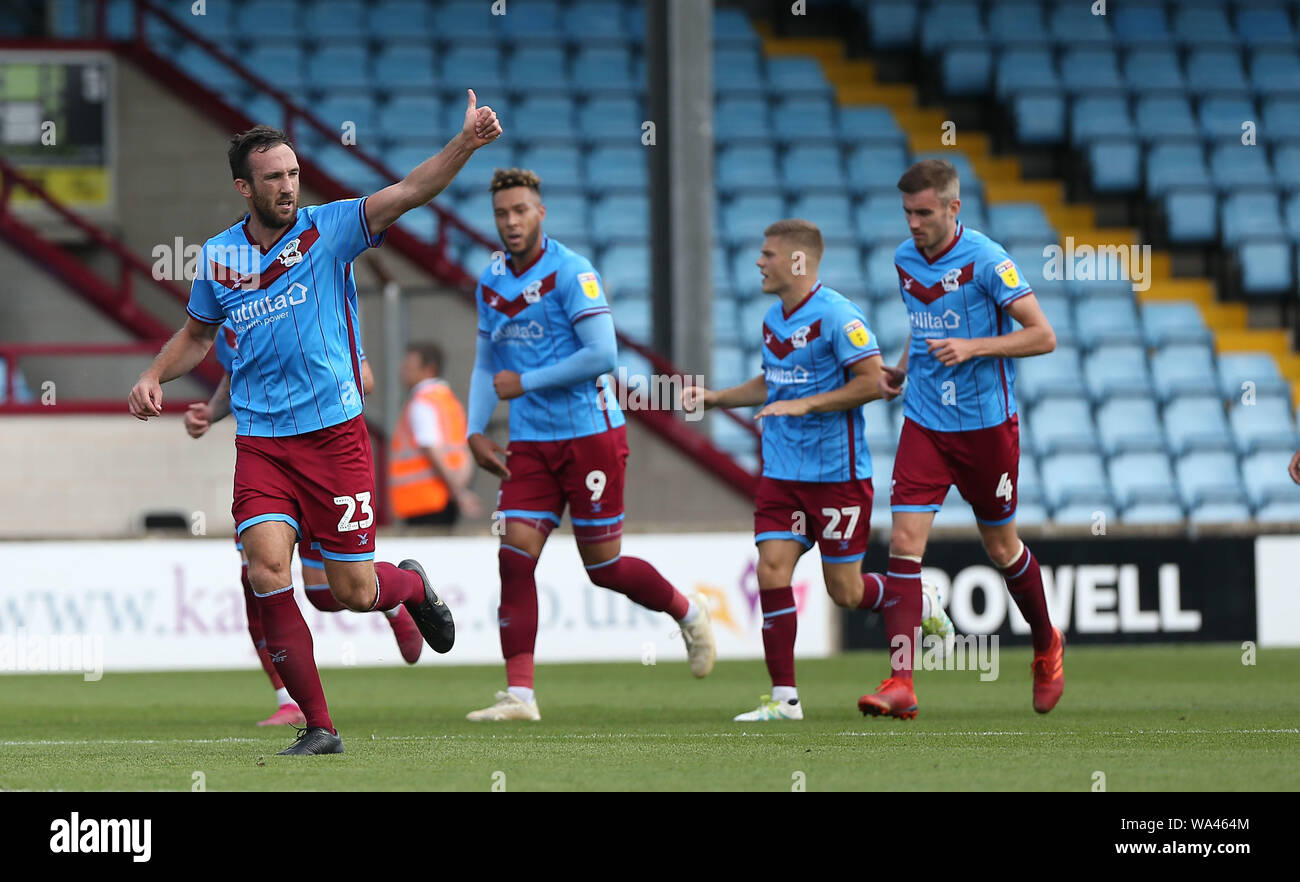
285, 715
1049, 674
409, 641
894, 698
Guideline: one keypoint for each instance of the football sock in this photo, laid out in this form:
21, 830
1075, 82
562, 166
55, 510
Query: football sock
692, 610
902, 610
517, 614
395, 586
523, 693
282, 697
321, 598
780, 622
873, 590
391, 613
1025, 582
255, 632
785, 694
289, 642
641, 583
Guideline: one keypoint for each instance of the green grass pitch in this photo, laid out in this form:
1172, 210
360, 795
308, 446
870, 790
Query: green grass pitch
1167, 718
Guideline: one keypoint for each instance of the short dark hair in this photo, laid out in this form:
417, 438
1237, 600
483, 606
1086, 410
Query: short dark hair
259, 138
430, 354
505, 178
939, 174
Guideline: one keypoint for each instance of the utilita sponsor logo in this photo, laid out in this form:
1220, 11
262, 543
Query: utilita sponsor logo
519, 331
262, 307
78, 835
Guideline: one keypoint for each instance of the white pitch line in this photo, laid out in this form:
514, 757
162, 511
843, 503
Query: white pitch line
97, 742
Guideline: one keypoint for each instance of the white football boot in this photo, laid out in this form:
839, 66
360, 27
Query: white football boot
771, 709
698, 637
508, 707
937, 624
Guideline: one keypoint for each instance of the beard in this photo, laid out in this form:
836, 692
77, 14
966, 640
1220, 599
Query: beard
267, 214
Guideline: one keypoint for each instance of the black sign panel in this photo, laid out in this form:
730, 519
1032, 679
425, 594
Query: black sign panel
1098, 591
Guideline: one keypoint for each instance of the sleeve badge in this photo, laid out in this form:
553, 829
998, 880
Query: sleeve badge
1006, 271
857, 333
590, 286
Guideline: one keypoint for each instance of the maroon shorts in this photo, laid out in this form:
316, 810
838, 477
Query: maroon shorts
586, 473
838, 513
983, 463
309, 556
321, 483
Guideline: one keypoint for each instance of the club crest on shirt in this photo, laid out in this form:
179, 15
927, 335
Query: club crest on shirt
290, 255
951, 280
532, 293
1006, 271
857, 333
590, 286
799, 339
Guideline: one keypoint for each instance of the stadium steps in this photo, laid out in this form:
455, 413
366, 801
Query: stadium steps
854, 82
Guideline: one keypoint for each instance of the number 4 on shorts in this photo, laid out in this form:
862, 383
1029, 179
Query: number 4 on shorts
1004, 487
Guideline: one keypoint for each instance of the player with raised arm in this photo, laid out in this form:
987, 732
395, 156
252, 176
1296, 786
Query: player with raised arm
198, 419
303, 461
545, 340
821, 363
960, 425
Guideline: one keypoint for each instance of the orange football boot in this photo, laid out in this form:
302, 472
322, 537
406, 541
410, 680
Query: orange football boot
1049, 674
894, 698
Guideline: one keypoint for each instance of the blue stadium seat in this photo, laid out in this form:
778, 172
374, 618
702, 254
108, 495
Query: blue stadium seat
877, 167
1195, 423
746, 167
1099, 117
566, 218
334, 69
603, 69
1221, 117
1152, 513
738, 72
726, 316
1019, 220
1020, 70
1275, 72
881, 437
1250, 216
389, 19
1060, 316
1264, 27
467, 20
473, 67
1063, 425
1265, 477
1166, 118
1266, 268
1257, 368
882, 276
338, 19
1140, 25
1029, 487
952, 22
1174, 322
893, 23
538, 68
841, 269
546, 119
1084, 514
1234, 166
344, 166
1117, 371
1112, 320
1192, 215
1220, 513
1279, 513
625, 266
1216, 70
1202, 24
830, 212
1281, 119
1265, 425
1286, 167
747, 215
405, 67
1040, 118
1017, 23
880, 222
863, 124
532, 22
1074, 478
613, 121
1209, 477
621, 218
1057, 374
1091, 70
742, 119
731, 27
1183, 370
792, 75
358, 110
618, 168
411, 117
1292, 213
593, 19
812, 167
1128, 425
208, 70
967, 70
956, 512
1142, 477
278, 64
1153, 70
1073, 24
890, 321
804, 119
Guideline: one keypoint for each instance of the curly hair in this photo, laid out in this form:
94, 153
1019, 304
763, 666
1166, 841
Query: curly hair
505, 178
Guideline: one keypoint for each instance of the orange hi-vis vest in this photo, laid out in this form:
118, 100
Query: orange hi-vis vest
414, 487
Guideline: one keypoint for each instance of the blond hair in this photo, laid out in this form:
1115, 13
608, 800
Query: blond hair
801, 233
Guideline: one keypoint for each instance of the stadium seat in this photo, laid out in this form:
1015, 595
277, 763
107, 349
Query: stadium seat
742, 119
1149, 513
746, 216
1063, 426
566, 217
881, 273
1196, 25
1117, 371
1216, 70
877, 167
956, 512
1222, 117
891, 324
618, 168
1264, 26
967, 70
620, 218
1112, 320
529, 23
1286, 167
1142, 477
812, 168
208, 70
390, 19
1057, 374
1275, 72
612, 121
830, 212
1265, 425
841, 269
1040, 118
1266, 480
279, 64
1209, 477
1019, 220
473, 67
1061, 317
332, 69
738, 72
1220, 513
1175, 164
951, 22
549, 119
538, 69
1115, 165
862, 124
745, 166
462, 21
1129, 425
596, 19
893, 23
604, 68
804, 119
1257, 368
1139, 25
411, 117
1192, 215
1281, 119
1194, 423
789, 75
625, 266
1166, 118
1234, 166
1174, 322
1292, 213
1266, 268
1074, 478
336, 20
731, 27
1091, 70
1099, 117
1148, 70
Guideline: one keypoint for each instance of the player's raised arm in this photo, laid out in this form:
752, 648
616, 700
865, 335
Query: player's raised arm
431, 177
750, 393
181, 354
